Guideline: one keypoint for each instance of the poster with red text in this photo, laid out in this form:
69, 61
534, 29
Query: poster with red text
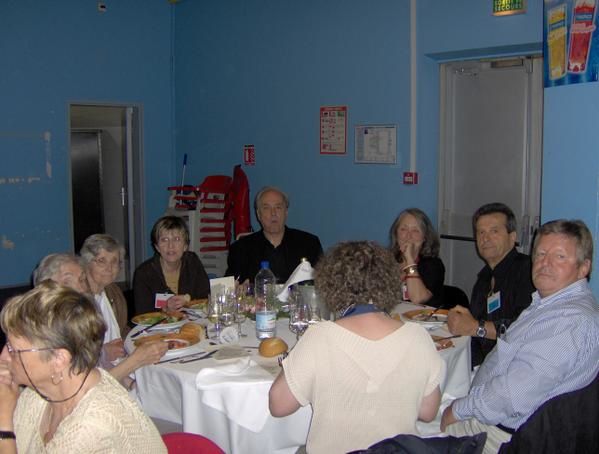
333, 130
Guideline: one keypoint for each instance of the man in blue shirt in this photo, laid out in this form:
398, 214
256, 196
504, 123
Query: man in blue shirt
551, 349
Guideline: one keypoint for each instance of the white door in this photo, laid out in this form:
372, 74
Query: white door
490, 151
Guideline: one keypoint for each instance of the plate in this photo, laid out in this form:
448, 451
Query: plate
149, 318
184, 348
422, 316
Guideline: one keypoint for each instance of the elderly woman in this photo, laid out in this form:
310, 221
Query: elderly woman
367, 376
66, 269
54, 340
102, 258
415, 245
173, 270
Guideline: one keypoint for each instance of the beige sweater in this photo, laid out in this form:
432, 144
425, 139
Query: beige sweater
106, 420
361, 391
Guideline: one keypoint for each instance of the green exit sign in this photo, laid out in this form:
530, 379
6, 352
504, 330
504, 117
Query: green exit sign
507, 7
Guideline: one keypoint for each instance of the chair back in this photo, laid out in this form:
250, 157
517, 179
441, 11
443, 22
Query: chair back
184, 443
452, 296
565, 424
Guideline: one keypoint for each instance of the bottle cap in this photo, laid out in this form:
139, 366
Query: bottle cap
264, 264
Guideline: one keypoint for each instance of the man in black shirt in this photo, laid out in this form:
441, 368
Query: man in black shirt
504, 286
281, 246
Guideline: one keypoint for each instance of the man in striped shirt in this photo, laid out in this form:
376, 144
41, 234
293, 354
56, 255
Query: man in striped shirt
551, 349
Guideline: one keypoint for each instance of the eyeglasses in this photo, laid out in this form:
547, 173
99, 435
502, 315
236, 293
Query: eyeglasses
13, 351
105, 264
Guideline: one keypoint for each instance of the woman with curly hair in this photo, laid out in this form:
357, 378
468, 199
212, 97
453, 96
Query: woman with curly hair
415, 245
367, 376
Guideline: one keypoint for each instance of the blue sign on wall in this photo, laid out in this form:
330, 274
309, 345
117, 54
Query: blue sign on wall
570, 42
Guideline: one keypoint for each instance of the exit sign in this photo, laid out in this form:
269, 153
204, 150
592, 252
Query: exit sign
507, 7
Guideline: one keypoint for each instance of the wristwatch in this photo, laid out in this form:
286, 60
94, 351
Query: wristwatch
7, 435
481, 331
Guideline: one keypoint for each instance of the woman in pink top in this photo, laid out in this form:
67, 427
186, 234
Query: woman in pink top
367, 375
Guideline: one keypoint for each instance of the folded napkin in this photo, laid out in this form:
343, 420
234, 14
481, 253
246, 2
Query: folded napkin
303, 272
238, 389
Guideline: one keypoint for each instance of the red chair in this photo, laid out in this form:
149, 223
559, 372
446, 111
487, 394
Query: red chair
185, 443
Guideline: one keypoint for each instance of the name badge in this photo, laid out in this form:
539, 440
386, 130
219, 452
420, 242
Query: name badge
493, 302
161, 299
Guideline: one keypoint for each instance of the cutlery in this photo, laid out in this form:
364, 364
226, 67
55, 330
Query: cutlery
133, 336
191, 355
207, 355
449, 337
431, 315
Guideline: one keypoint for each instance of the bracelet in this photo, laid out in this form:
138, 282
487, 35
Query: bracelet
408, 266
412, 276
411, 270
7, 435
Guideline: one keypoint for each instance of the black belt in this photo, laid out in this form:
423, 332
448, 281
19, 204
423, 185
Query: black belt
506, 429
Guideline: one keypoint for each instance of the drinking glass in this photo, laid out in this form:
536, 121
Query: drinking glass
239, 314
299, 318
227, 308
214, 310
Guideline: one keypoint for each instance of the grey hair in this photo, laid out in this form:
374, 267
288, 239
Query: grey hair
50, 266
93, 244
575, 229
266, 189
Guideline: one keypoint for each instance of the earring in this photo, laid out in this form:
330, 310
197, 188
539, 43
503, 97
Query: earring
56, 382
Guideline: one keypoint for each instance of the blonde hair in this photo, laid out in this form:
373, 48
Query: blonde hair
57, 317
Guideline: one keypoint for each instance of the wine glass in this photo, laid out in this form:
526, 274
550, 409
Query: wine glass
299, 318
239, 314
227, 308
214, 310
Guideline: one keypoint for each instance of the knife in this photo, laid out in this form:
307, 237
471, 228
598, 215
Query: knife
133, 336
207, 355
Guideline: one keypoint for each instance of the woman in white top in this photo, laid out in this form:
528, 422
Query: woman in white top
102, 256
367, 376
54, 337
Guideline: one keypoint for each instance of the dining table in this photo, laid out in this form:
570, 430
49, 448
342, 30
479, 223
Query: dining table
220, 390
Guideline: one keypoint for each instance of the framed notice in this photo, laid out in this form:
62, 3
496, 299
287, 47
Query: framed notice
376, 144
333, 129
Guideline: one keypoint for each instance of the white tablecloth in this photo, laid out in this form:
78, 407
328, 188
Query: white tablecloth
168, 391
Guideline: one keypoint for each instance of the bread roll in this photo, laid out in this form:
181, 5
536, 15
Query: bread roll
272, 347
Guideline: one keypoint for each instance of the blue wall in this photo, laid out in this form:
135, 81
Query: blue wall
571, 158
54, 53
257, 72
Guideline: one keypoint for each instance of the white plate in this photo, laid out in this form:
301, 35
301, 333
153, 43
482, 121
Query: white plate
170, 354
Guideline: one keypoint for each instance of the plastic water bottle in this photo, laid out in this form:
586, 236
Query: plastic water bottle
264, 293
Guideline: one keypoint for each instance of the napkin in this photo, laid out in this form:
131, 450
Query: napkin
303, 272
238, 389
220, 284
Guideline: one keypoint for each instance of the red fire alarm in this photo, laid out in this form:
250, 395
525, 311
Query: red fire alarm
249, 155
410, 178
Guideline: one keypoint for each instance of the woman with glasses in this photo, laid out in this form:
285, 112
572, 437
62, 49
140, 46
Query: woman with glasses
173, 270
54, 339
102, 258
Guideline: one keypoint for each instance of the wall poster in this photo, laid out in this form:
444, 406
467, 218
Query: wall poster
376, 144
570, 42
333, 130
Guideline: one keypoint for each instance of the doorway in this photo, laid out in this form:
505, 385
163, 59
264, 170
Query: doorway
491, 151
106, 180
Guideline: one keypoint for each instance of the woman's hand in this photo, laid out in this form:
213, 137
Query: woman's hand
174, 303
114, 349
149, 353
410, 251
